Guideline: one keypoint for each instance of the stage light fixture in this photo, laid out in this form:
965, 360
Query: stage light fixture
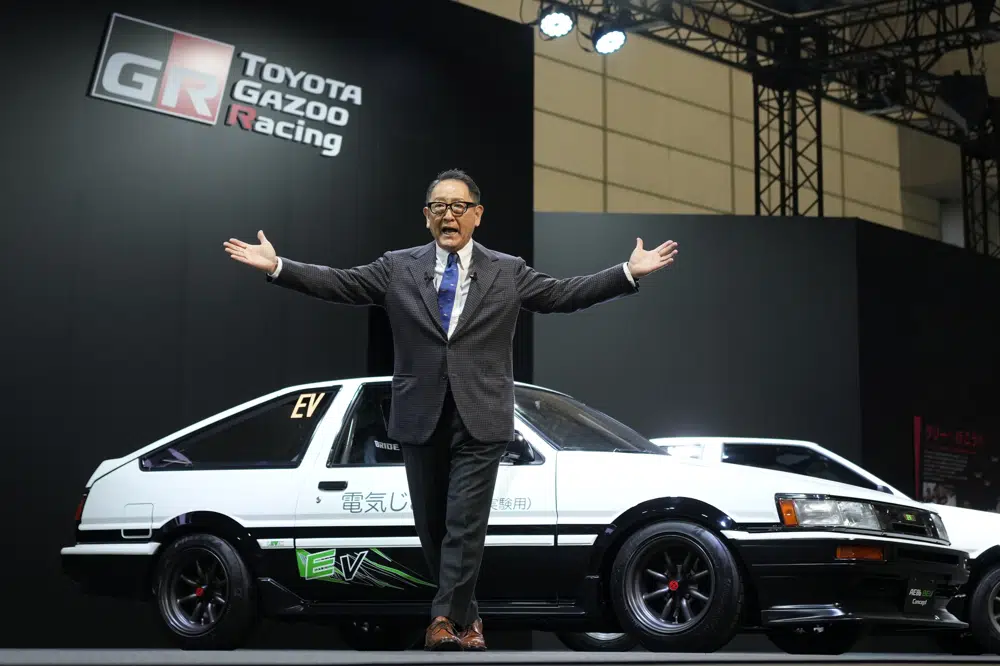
608, 39
554, 22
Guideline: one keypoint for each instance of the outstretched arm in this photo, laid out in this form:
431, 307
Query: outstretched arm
544, 294
360, 285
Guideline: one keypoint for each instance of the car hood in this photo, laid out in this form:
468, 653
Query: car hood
970, 530
766, 480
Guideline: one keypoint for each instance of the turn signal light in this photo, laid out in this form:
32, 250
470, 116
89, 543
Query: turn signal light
870, 553
788, 515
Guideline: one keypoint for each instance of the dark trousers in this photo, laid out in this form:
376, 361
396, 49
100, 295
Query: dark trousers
451, 479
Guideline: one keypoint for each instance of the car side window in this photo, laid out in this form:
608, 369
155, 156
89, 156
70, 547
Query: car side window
273, 435
364, 437
793, 459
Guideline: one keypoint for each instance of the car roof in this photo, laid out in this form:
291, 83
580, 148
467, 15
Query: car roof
348, 384
731, 440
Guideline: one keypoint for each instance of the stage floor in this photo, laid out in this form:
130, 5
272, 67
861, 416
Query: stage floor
497, 658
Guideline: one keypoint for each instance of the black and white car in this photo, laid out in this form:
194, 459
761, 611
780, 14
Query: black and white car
975, 532
294, 505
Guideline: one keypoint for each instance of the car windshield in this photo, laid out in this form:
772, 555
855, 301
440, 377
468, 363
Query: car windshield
573, 426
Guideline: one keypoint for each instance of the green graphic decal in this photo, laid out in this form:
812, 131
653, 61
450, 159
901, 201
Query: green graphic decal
371, 568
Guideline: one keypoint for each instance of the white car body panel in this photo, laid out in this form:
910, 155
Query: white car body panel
745, 495
571, 487
970, 530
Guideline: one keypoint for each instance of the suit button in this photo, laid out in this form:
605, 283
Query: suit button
444, 377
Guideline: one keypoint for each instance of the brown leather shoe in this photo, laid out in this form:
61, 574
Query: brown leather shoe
472, 637
441, 635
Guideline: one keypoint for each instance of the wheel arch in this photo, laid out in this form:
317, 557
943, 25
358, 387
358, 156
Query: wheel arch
610, 541
206, 522
988, 560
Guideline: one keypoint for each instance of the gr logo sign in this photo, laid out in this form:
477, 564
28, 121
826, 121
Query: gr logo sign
156, 68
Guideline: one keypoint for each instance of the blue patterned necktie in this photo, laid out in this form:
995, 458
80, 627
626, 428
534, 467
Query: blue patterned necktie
446, 292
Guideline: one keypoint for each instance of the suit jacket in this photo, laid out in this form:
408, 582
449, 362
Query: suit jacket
478, 359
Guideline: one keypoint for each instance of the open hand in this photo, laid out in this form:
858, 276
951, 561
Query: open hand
260, 256
643, 262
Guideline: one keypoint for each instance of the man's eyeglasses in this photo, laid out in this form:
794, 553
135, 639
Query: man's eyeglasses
458, 208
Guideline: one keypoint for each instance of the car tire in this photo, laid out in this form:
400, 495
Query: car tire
593, 641
367, 635
829, 640
704, 582
982, 610
205, 593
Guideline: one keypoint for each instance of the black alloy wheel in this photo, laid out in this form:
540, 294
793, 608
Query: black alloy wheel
205, 593
671, 586
198, 592
676, 587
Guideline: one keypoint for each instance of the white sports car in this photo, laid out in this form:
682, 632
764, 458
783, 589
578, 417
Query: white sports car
975, 532
294, 505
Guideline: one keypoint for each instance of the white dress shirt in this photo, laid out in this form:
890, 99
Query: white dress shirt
464, 278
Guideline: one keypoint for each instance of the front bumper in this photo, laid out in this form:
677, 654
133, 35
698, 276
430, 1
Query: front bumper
801, 581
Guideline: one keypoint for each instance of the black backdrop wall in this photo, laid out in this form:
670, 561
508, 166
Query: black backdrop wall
124, 320
879, 344
930, 367
752, 332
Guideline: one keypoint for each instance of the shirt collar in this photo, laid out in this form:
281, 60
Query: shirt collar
464, 255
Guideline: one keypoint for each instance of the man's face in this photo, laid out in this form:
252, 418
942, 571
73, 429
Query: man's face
452, 231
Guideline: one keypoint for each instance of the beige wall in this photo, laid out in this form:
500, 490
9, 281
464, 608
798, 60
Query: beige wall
653, 129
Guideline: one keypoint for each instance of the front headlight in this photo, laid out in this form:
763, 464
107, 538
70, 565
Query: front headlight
939, 526
821, 512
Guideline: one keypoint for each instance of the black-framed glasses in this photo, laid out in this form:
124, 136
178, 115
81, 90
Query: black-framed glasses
458, 208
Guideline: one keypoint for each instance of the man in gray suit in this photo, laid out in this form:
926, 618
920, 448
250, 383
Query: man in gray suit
452, 305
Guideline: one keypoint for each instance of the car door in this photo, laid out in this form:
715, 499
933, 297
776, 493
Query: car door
354, 534
520, 563
355, 539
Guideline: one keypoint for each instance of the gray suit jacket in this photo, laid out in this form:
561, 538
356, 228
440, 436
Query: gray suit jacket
478, 359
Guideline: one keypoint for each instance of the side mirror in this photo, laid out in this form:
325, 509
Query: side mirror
518, 452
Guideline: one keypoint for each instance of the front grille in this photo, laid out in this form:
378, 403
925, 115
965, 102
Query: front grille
906, 521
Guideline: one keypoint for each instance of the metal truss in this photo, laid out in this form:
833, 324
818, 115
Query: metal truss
981, 199
852, 46
873, 56
788, 148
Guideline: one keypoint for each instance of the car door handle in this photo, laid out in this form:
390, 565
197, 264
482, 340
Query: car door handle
333, 485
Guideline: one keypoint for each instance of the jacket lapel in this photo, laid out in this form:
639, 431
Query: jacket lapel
422, 271
485, 268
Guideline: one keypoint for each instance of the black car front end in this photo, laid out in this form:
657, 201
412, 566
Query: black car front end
894, 569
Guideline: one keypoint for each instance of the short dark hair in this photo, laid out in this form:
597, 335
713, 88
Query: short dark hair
455, 174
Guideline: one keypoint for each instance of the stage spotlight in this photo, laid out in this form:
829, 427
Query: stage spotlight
608, 39
554, 22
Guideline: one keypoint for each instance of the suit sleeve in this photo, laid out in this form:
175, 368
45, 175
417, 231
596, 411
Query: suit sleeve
545, 294
361, 285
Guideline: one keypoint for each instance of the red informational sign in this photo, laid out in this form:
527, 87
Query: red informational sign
955, 465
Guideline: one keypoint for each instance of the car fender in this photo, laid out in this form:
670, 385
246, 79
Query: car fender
688, 509
982, 564
211, 522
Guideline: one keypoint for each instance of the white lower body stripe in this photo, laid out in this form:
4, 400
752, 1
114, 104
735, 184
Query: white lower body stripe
147, 548
414, 542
